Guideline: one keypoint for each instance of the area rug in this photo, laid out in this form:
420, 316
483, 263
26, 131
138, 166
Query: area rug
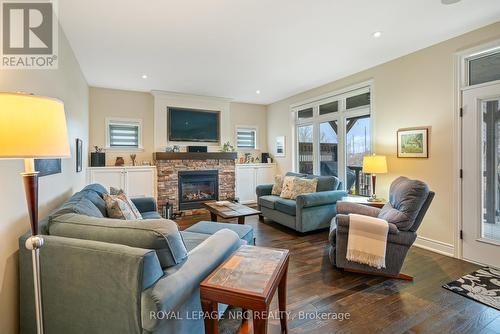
482, 285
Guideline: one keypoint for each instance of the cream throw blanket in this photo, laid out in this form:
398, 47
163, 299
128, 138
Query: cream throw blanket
367, 240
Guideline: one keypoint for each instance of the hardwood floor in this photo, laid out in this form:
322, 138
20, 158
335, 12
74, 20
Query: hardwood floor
374, 304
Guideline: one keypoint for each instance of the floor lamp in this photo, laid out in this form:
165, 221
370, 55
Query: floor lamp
32, 127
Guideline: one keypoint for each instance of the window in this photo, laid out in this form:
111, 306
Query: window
333, 134
246, 137
484, 68
123, 134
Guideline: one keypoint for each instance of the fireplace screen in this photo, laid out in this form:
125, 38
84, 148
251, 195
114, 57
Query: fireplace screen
196, 187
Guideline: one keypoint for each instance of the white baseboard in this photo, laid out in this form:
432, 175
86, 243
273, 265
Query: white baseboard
435, 246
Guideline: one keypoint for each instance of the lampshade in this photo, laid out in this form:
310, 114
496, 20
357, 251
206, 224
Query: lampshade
374, 164
32, 127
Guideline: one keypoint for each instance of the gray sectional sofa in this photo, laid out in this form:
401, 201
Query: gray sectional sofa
102, 275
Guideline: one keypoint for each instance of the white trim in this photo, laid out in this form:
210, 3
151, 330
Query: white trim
124, 121
435, 246
165, 94
254, 128
341, 91
460, 84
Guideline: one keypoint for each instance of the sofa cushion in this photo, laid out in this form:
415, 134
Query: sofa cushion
161, 235
325, 183
79, 204
96, 187
408, 196
245, 232
268, 201
121, 207
295, 174
278, 185
287, 206
151, 215
192, 239
294, 186
97, 200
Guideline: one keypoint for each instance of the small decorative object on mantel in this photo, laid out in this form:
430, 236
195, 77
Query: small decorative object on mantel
97, 158
280, 146
119, 162
227, 147
79, 158
169, 149
132, 157
176, 149
413, 143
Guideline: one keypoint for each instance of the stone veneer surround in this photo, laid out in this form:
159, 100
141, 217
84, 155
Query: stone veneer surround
168, 178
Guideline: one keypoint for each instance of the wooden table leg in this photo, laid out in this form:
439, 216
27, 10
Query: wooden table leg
241, 220
260, 322
210, 310
213, 217
282, 301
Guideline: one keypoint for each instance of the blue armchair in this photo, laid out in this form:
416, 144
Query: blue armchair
309, 212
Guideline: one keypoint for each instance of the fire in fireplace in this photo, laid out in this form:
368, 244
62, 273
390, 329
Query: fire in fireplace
196, 187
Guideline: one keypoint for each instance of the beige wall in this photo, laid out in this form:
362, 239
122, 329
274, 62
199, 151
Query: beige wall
414, 90
67, 84
139, 105
105, 103
245, 114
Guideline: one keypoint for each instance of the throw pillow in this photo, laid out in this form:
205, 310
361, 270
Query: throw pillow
297, 186
120, 207
123, 196
278, 185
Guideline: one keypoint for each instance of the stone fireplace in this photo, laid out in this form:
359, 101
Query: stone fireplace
209, 174
196, 187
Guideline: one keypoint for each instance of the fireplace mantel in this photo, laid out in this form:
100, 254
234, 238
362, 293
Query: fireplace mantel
195, 156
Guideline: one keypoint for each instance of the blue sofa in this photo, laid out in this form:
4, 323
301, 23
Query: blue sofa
100, 281
309, 212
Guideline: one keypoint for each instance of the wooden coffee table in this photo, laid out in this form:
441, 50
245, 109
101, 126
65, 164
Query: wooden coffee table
248, 279
230, 211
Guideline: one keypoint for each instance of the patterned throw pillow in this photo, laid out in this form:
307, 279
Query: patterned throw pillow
296, 186
123, 196
278, 185
121, 207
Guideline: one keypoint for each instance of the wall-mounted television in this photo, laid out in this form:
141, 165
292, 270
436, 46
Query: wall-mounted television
193, 125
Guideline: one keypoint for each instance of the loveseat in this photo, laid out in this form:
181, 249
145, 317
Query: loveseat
308, 212
102, 275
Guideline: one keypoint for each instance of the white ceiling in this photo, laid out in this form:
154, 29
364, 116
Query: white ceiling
231, 48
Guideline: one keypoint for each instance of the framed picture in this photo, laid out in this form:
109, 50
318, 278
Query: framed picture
280, 146
79, 157
47, 166
413, 143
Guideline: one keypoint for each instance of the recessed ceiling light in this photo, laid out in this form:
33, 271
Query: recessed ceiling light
257, 92
449, 2
144, 76
377, 34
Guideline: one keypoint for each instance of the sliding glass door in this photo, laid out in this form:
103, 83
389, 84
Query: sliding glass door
332, 136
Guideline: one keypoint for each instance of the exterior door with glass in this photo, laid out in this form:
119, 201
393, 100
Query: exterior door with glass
481, 174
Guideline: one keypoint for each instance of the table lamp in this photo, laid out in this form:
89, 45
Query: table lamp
32, 127
374, 164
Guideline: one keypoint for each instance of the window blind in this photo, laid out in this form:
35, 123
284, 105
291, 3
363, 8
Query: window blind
246, 138
124, 135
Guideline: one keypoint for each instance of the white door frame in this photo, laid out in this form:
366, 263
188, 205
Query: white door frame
461, 83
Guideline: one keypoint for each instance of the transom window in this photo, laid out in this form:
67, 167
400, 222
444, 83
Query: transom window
483, 67
123, 134
333, 134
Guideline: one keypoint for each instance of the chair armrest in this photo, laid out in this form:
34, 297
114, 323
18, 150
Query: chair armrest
264, 190
86, 283
343, 225
145, 204
184, 279
360, 209
320, 198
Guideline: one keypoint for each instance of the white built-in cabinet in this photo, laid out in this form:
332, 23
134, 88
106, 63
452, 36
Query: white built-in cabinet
138, 181
249, 176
